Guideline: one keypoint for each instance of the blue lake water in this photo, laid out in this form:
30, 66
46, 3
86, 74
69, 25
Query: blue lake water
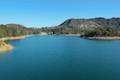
61, 58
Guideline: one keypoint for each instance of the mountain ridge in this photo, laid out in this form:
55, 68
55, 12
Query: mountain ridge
92, 22
92, 27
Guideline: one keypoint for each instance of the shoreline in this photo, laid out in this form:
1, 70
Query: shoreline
8, 47
12, 38
5, 47
104, 38
76, 35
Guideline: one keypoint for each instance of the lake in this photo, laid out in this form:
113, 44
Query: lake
61, 58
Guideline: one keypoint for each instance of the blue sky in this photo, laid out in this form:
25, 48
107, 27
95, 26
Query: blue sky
40, 13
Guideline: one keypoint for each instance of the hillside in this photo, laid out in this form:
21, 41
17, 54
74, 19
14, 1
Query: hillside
10, 30
93, 22
94, 27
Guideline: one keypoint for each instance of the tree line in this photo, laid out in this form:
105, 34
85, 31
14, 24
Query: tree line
16, 30
102, 32
19, 30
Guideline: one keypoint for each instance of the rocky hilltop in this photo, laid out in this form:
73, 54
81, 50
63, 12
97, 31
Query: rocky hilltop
93, 22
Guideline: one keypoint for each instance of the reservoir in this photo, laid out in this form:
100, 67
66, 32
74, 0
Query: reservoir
61, 58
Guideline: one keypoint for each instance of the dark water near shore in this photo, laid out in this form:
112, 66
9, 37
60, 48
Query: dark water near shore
61, 58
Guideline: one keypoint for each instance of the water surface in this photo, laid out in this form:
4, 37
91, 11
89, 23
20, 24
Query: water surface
61, 58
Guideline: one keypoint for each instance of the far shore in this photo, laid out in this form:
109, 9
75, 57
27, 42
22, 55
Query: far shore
72, 35
12, 38
20, 37
104, 38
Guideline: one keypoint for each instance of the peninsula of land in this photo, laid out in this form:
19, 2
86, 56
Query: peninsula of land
5, 47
